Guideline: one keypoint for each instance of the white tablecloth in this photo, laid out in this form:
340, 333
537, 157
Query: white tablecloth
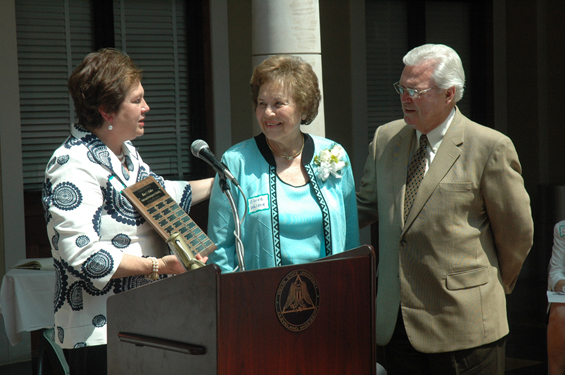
26, 301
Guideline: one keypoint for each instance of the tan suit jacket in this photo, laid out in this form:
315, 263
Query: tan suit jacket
464, 242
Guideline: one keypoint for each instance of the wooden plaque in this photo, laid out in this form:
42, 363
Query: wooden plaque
166, 216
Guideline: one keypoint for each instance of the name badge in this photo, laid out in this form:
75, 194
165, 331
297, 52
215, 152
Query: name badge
258, 203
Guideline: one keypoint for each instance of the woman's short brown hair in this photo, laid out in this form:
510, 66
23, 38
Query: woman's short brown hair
103, 79
294, 73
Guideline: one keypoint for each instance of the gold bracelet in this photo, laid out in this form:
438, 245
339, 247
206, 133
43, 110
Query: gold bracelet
155, 274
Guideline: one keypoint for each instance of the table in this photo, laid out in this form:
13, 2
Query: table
26, 301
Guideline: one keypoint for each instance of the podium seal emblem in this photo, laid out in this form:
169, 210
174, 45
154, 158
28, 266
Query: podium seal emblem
297, 300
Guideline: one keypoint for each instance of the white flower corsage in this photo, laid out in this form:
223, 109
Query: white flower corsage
330, 162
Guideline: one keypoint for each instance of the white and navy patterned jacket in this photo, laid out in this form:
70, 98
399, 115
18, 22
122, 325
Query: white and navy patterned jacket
90, 226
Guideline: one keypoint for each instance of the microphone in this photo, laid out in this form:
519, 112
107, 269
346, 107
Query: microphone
201, 150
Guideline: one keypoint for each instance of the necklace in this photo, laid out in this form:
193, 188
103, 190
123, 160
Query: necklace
121, 157
283, 156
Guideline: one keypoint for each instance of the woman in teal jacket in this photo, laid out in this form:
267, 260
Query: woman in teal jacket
299, 189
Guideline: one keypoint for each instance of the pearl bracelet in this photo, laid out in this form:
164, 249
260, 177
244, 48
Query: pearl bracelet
155, 274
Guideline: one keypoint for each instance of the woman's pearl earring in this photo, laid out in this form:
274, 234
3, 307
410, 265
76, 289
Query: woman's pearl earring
110, 127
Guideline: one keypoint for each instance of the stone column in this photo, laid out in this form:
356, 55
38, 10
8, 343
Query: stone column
289, 27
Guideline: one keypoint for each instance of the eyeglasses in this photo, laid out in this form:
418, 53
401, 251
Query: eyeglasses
413, 93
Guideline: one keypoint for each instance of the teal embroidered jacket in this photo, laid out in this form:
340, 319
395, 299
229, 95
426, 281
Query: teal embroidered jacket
253, 165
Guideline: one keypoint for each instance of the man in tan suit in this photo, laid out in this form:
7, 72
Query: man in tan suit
446, 263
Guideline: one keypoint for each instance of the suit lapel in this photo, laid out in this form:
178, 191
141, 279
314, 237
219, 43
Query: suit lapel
448, 152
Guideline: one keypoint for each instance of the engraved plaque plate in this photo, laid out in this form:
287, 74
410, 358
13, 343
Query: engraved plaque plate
166, 216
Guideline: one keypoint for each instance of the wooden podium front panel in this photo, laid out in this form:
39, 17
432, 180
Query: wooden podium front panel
340, 340
180, 308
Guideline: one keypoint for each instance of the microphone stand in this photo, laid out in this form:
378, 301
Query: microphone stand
237, 223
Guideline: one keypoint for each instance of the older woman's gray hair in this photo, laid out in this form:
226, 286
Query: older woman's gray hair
448, 70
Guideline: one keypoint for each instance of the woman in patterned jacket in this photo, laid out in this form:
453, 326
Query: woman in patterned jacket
101, 246
299, 188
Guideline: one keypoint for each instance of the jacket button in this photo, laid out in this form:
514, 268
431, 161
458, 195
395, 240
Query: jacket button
403, 243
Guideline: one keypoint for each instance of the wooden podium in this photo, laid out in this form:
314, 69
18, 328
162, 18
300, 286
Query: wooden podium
314, 318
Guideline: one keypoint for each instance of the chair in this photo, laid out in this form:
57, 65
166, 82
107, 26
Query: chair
49, 337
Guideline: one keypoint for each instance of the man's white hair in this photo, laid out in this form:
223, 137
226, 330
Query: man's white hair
448, 68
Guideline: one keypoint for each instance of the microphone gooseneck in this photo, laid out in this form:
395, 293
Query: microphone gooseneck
201, 150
